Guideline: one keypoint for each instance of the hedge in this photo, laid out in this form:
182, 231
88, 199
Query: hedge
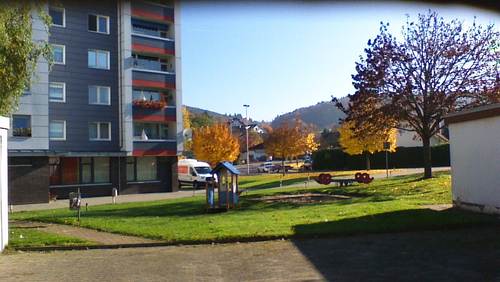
404, 157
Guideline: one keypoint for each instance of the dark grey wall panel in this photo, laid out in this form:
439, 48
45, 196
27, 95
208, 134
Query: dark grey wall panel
78, 76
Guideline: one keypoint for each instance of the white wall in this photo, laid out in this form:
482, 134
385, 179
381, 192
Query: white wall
411, 139
4, 219
475, 162
178, 77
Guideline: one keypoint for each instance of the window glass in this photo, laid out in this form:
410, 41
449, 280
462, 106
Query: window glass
102, 60
56, 130
21, 125
55, 171
146, 168
101, 170
86, 164
58, 54
56, 91
151, 130
92, 22
98, 59
93, 95
103, 24
93, 130
130, 169
104, 131
104, 95
57, 15
91, 59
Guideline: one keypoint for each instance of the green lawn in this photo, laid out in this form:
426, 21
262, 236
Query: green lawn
382, 206
32, 237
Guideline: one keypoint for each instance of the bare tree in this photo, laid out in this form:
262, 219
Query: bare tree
435, 68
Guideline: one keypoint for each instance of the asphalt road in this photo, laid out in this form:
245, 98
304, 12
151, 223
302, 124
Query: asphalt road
453, 255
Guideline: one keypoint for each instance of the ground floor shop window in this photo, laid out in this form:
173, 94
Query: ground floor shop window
71, 171
142, 169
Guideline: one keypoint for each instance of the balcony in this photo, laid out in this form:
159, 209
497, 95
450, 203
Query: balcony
165, 114
152, 12
155, 148
151, 46
153, 80
143, 64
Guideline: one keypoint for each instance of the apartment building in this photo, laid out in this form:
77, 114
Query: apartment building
107, 114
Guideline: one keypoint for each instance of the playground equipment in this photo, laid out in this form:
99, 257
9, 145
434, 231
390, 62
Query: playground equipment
226, 186
325, 178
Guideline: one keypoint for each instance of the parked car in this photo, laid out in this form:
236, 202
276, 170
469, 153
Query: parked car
193, 172
265, 167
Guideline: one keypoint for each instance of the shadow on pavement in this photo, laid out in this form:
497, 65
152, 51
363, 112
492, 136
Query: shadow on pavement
449, 254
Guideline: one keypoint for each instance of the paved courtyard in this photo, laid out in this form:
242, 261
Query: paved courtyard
454, 255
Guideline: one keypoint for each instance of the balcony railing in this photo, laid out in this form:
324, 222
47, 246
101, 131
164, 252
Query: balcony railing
151, 65
150, 32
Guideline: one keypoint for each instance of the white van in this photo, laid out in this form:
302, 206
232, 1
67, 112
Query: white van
192, 172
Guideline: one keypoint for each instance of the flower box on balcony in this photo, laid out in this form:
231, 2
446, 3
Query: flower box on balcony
145, 104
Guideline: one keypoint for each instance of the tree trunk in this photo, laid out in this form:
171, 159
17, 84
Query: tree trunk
283, 165
427, 157
367, 154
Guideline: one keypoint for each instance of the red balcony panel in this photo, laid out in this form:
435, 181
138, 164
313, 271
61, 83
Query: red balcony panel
151, 49
158, 153
157, 16
152, 84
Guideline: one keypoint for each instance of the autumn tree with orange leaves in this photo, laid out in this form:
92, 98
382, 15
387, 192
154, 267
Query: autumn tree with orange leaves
289, 141
214, 144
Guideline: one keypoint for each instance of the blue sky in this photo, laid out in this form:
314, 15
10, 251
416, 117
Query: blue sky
282, 56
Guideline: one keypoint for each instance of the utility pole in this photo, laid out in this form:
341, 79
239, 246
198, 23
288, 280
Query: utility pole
246, 131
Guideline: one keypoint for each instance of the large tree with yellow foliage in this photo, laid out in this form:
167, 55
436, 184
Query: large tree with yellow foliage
354, 142
214, 143
289, 141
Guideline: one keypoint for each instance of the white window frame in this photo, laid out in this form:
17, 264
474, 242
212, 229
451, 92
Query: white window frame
64, 92
99, 131
64, 16
97, 24
99, 51
99, 87
64, 54
64, 131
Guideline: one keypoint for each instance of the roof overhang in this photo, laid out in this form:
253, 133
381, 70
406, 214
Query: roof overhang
487, 111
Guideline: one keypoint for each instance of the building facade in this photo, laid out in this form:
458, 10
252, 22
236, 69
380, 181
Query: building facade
107, 113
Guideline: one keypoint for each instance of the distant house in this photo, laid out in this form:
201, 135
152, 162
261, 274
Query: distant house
411, 139
475, 158
256, 152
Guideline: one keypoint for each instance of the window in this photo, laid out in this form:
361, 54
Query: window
101, 170
86, 168
21, 125
98, 59
58, 16
99, 95
142, 169
149, 95
59, 54
146, 131
98, 23
57, 92
27, 90
57, 130
72, 170
100, 131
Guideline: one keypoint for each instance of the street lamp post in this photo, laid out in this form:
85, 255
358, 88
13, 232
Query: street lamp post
246, 131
